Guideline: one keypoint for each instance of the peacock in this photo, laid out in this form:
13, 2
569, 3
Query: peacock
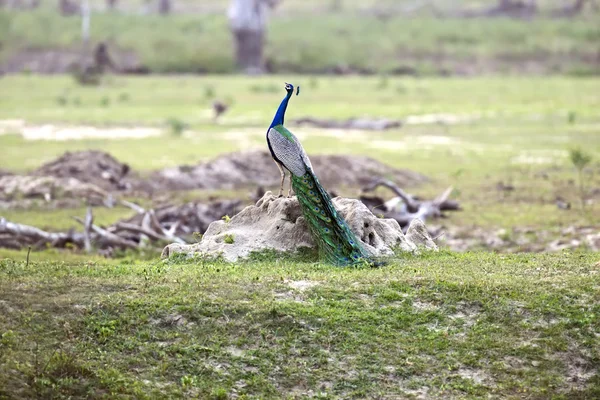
337, 243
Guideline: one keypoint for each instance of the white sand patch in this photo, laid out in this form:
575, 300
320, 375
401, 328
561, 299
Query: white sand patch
539, 157
53, 132
478, 376
301, 285
235, 351
424, 306
11, 126
416, 142
62, 133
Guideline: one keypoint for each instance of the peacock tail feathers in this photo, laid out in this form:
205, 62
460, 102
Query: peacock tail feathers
337, 243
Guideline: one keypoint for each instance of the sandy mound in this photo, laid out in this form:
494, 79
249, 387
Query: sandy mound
95, 167
277, 223
235, 170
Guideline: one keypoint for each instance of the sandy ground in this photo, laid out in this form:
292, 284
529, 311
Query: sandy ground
78, 132
61, 133
247, 138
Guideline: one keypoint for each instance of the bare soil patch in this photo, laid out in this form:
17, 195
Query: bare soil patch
94, 167
256, 168
95, 176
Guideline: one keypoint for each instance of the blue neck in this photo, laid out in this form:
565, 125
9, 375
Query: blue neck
280, 114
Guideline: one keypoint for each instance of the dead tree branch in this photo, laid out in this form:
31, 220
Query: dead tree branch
87, 226
405, 207
109, 237
31, 234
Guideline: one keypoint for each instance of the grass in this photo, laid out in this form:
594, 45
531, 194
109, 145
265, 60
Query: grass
442, 325
305, 42
447, 325
520, 131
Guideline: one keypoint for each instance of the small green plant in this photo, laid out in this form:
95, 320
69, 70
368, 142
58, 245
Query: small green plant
209, 92
176, 126
219, 394
86, 76
62, 100
105, 102
188, 381
197, 236
580, 159
124, 97
384, 82
229, 239
226, 218
8, 338
571, 117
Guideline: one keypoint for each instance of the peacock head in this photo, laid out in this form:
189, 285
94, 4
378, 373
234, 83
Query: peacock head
290, 89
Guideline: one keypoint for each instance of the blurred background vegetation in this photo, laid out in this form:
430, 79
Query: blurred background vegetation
412, 37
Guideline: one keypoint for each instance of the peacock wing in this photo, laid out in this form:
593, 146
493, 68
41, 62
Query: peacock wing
288, 150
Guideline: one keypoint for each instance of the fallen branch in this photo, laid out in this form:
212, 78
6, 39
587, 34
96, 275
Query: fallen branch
405, 207
32, 234
87, 226
109, 237
411, 204
158, 227
137, 208
167, 224
138, 229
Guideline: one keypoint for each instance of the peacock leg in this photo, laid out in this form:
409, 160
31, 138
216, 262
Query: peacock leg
282, 179
290, 189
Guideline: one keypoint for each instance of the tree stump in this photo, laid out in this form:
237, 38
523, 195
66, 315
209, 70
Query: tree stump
164, 7
248, 21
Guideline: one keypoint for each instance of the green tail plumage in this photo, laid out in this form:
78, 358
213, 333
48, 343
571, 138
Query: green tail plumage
337, 243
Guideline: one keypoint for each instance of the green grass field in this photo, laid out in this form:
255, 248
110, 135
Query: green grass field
445, 325
440, 326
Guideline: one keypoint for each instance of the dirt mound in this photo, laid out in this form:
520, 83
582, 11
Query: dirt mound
276, 223
95, 167
236, 170
229, 171
351, 170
